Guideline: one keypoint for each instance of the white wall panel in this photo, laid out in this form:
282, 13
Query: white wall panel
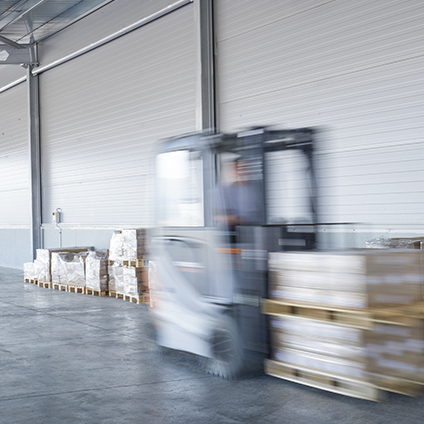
103, 113
10, 73
110, 18
14, 170
354, 69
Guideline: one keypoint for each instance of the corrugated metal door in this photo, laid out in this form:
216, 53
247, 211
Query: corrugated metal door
101, 116
352, 68
14, 156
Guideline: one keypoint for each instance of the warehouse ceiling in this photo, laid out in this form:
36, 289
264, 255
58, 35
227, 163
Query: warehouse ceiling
31, 21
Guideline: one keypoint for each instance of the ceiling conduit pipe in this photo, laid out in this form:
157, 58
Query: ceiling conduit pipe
144, 21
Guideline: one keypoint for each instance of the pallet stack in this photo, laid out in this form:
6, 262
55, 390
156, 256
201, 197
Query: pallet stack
348, 322
40, 271
68, 268
128, 266
30, 273
120, 272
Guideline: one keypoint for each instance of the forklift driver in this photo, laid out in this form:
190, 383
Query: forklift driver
239, 194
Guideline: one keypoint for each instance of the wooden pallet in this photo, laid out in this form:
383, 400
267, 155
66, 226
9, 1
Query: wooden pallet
33, 281
100, 293
135, 299
59, 286
361, 318
398, 385
75, 288
138, 263
119, 295
44, 284
371, 389
350, 318
412, 311
324, 381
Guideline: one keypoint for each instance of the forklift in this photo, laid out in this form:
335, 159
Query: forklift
223, 202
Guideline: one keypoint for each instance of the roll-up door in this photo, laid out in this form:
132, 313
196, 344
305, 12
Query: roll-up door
351, 68
14, 156
102, 115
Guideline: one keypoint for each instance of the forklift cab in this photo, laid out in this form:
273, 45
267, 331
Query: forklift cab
222, 203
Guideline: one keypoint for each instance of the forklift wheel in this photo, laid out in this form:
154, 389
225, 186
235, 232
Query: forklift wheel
227, 353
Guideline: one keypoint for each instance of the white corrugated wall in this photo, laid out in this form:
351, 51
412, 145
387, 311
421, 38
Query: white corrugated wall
14, 177
14, 170
352, 68
102, 114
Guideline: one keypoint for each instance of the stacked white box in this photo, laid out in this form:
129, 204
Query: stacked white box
96, 269
349, 279
126, 273
134, 244
321, 346
59, 273
30, 272
116, 277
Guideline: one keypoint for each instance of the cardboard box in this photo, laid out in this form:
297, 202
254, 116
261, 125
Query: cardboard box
387, 351
348, 279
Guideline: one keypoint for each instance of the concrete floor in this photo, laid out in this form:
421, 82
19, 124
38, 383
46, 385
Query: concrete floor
72, 358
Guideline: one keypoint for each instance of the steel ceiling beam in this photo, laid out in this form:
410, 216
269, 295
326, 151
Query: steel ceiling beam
19, 10
11, 43
24, 54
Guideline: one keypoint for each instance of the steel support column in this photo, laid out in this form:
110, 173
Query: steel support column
205, 75
34, 161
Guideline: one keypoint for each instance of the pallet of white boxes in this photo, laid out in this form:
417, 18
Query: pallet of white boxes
128, 266
348, 322
119, 272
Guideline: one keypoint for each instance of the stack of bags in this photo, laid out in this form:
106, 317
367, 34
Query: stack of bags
127, 275
359, 280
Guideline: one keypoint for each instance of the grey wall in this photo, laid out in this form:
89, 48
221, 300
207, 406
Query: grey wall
14, 178
14, 247
353, 69
350, 68
101, 116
